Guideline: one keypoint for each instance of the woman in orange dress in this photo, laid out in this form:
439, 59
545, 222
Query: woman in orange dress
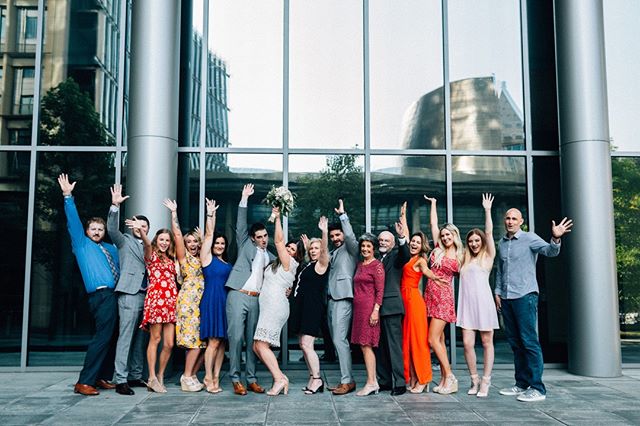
415, 345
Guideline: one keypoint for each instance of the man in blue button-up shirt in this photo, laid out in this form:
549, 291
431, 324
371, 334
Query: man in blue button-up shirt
99, 267
516, 295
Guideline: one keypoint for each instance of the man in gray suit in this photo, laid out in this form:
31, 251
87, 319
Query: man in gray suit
340, 293
244, 284
390, 365
131, 290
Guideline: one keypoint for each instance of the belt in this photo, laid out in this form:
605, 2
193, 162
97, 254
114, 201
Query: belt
250, 293
102, 288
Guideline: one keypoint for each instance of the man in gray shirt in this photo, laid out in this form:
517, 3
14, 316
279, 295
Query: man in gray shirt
516, 296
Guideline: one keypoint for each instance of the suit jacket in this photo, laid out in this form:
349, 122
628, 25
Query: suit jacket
131, 252
393, 263
343, 263
246, 252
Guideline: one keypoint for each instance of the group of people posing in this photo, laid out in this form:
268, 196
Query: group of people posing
366, 288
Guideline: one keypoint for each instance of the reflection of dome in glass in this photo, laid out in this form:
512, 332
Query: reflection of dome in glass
482, 118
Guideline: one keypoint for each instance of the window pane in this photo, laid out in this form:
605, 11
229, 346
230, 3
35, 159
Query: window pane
486, 75
60, 321
326, 95
14, 199
245, 81
622, 43
396, 179
626, 198
407, 100
505, 178
188, 190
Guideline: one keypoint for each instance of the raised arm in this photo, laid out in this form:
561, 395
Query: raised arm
278, 240
433, 220
487, 202
207, 242
402, 230
323, 260
135, 223
242, 233
350, 239
112, 218
175, 228
74, 224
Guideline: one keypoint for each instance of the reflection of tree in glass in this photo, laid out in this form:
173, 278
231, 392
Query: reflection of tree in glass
318, 194
626, 204
68, 118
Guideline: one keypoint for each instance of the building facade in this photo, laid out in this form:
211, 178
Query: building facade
374, 101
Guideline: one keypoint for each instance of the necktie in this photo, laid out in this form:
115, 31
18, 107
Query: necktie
145, 281
112, 264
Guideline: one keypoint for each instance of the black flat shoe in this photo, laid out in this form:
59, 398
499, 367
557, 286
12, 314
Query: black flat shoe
398, 390
124, 389
136, 383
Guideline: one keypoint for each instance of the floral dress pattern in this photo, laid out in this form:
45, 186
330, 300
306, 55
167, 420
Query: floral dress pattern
439, 299
160, 301
188, 304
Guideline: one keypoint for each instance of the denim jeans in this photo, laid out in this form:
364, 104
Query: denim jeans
520, 325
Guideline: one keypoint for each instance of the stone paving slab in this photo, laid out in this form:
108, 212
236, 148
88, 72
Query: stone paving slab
48, 398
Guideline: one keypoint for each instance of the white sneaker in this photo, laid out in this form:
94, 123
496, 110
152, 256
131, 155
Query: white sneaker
512, 391
531, 395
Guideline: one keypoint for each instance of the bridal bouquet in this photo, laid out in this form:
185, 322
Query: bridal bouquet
282, 198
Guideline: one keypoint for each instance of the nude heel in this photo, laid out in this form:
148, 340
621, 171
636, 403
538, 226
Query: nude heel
484, 387
475, 382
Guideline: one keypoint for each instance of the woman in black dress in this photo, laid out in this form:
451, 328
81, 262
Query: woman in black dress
308, 304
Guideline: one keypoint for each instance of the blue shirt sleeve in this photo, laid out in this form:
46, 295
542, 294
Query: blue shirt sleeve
74, 225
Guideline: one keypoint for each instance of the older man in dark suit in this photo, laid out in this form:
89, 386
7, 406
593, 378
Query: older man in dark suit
244, 284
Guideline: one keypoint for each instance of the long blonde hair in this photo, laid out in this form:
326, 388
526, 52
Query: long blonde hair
439, 251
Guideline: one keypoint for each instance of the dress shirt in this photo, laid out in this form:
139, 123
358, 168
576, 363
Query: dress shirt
260, 261
93, 263
517, 256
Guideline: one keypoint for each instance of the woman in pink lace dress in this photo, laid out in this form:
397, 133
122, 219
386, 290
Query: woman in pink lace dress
445, 261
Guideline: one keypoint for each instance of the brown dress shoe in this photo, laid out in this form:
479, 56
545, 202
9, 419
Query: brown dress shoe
85, 389
239, 389
104, 384
255, 387
344, 388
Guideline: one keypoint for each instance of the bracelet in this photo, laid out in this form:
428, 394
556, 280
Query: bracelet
210, 215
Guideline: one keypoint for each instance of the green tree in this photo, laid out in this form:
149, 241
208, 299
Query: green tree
318, 194
626, 204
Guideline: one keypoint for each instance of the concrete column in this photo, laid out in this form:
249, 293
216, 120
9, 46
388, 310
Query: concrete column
154, 87
594, 331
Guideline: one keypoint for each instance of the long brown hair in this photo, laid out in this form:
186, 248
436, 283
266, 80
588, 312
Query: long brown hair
483, 248
424, 246
171, 251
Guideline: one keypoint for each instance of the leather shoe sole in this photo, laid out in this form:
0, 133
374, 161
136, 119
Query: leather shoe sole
87, 390
124, 389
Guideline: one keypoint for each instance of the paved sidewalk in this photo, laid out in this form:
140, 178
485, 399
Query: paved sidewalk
48, 398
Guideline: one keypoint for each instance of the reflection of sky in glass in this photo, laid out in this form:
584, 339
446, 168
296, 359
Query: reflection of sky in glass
622, 43
484, 40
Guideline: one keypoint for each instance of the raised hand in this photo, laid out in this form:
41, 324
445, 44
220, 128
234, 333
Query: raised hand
65, 186
323, 223
562, 228
212, 206
429, 199
340, 209
199, 232
116, 195
275, 212
487, 201
170, 204
305, 241
135, 223
247, 190
400, 229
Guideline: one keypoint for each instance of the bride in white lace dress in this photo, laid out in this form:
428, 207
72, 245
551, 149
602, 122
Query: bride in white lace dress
274, 305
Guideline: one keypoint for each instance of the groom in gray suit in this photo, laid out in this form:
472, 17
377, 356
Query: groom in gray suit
244, 284
340, 293
131, 290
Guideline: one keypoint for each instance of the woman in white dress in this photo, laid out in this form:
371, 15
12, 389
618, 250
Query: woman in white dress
274, 306
476, 309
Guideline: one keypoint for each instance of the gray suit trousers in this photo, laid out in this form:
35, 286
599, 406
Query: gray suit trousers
390, 364
339, 316
130, 348
242, 316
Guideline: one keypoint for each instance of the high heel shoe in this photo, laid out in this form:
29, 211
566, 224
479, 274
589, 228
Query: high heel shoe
306, 388
153, 385
475, 382
420, 388
212, 385
281, 385
450, 385
368, 390
187, 384
436, 388
484, 387
309, 391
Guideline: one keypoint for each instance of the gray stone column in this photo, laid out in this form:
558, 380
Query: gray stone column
154, 87
594, 331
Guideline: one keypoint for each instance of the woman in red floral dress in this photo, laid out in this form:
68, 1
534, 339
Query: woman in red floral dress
445, 260
159, 314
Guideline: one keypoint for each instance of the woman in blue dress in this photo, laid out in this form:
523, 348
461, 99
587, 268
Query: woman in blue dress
213, 320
